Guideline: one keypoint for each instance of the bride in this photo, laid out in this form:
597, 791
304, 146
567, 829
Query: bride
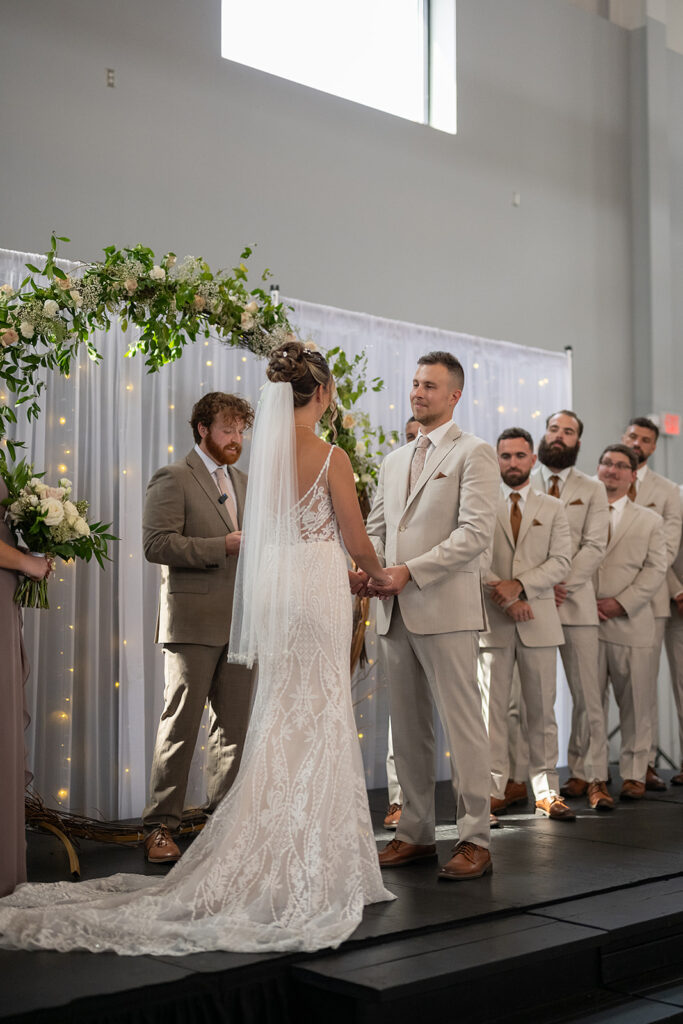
288, 859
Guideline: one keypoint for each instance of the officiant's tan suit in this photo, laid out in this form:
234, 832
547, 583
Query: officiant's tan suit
632, 571
184, 529
539, 559
427, 635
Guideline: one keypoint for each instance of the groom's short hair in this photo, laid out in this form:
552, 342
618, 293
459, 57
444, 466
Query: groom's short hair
213, 404
453, 365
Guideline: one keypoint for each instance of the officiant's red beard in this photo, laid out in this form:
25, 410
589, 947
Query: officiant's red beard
223, 454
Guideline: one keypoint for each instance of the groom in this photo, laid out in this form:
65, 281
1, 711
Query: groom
432, 521
191, 526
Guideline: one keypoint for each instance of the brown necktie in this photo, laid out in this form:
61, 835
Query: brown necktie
419, 459
632, 491
554, 489
224, 488
515, 515
609, 523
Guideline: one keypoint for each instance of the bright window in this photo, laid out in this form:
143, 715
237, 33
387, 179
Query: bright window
374, 52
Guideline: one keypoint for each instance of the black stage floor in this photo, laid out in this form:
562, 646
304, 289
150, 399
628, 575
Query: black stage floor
579, 921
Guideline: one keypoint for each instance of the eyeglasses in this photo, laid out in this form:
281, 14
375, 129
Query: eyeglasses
608, 464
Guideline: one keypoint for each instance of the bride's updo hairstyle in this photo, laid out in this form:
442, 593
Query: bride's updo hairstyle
304, 368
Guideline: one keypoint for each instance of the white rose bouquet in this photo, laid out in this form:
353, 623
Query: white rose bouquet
48, 522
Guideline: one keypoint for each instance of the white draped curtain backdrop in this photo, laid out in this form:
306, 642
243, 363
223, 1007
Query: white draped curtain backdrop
95, 691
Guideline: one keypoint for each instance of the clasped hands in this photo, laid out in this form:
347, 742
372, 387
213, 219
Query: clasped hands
392, 582
505, 593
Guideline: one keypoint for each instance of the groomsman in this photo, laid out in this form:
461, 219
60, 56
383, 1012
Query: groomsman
531, 553
630, 575
673, 639
431, 522
191, 527
661, 495
585, 504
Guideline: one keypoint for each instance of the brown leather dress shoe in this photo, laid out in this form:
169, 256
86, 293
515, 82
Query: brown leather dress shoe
574, 788
393, 816
677, 780
397, 853
556, 809
632, 790
498, 806
653, 781
468, 861
598, 797
515, 793
493, 821
160, 848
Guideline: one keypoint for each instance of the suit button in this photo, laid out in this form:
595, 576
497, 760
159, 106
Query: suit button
401, 529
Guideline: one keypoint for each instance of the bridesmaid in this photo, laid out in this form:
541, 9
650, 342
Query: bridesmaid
14, 718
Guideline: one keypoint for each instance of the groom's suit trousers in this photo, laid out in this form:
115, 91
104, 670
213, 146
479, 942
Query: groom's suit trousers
440, 669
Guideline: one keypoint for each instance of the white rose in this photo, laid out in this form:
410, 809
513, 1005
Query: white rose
360, 447
66, 484
170, 260
246, 321
81, 527
70, 509
33, 500
15, 507
26, 329
7, 290
130, 284
157, 273
51, 308
251, 307
53, 511
77, 297
366, 478
348, 421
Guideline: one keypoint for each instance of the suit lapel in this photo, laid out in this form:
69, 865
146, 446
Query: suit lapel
239, 484
432, 464
504, 519
644, 493
571, 486
628, 517
530, 506
207, 484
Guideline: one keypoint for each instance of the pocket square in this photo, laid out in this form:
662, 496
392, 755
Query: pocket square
537, 522
652, 505
440, 476
576, 501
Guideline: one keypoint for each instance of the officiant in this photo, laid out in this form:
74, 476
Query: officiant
192, 527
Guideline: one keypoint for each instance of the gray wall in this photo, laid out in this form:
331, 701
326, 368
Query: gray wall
349, 206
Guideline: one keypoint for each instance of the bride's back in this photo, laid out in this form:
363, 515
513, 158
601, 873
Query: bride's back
311, 456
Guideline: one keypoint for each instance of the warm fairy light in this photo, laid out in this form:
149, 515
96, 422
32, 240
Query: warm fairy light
392, 440
206, 344
117, 684
536, 414
209, 362
367, 622
475, 401
63, 794
360, 735
170, 447
70, 627
392, 406
125, 643
244, 359
125, 472
521, 380
70, 670
127, 771
371, 661
171, 406
129, 387
501, 408
448, 753
238, 377
62, 468
64, 717
130, 556
475, 366
62, 420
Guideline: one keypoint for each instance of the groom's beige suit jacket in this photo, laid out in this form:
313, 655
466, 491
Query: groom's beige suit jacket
440, 532
183, 529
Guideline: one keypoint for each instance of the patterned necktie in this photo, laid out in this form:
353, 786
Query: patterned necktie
632, 491
419, 459
224, 488
554, 489
515, 514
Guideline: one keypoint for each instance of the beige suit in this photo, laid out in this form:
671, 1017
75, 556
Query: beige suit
662, 496
427, 636
673, 636
585, 503
539, 560
184, 529
632, 571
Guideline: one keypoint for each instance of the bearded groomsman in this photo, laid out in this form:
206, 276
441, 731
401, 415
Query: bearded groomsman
192, 528
630, 575
531, 553
431, 522
673, 638
662, 495
585, 504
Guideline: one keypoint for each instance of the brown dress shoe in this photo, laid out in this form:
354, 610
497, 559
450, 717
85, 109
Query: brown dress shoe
677, 780
160, 848
632, 790
556, 809
515, 793
653, 781
468, 861
574, 788
493, 821
393, 815
598, 797
498, 806
397, 853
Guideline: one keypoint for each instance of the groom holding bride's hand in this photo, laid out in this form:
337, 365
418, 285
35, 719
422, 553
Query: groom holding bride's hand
432, 521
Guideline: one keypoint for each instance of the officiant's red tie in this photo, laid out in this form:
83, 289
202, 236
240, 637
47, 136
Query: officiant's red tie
419, 458
515, 514
224, 488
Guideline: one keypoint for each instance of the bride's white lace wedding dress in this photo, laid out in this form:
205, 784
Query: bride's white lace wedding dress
288, 859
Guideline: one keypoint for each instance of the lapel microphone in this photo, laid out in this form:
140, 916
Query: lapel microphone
223, 498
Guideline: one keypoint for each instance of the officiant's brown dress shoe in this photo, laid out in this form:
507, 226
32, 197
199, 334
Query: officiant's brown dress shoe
393, 816
653, 781
574, 788
632, 790
556, 809
515, 793
160, 848
397, 853
498, 806
598, 797
468, 861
